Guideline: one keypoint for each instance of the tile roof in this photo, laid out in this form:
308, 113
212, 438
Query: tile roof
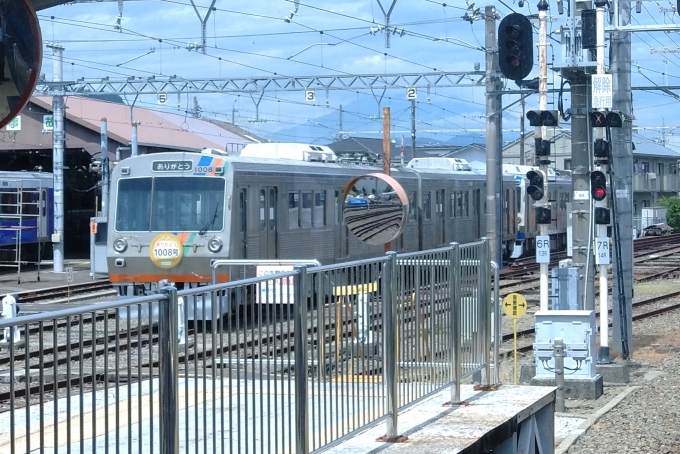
647, 147
155, 129
369, 145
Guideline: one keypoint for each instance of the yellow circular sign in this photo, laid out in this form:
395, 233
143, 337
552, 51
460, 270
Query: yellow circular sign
166, 250
514, 305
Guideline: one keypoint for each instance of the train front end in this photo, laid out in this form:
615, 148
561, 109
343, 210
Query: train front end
168, 220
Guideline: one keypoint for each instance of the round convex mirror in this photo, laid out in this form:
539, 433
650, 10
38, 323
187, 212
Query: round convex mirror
375, 208
20, 57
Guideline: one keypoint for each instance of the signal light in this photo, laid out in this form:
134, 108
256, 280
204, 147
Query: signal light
588, 29
601, 148
598, 119
515, 46
614, 119
601, 119
602, 216
536, 188
543, 117
543, 215
542, 147
598, 185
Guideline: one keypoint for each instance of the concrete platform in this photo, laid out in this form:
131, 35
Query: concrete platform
573, 389
489, 422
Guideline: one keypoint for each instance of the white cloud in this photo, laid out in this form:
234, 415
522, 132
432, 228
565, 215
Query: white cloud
257, 42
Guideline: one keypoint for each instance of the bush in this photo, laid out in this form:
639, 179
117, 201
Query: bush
673, 214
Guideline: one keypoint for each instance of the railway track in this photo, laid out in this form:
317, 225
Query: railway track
42, 295
54, 357
526, 347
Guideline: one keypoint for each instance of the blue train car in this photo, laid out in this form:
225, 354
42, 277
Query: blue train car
26, 211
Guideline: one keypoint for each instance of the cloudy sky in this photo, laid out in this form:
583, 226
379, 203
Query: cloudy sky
331, 37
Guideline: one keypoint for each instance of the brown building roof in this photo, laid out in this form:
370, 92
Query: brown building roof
156, 129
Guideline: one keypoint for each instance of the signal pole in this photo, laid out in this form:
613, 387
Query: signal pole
494, 157
541, 133
601, 246
622, 183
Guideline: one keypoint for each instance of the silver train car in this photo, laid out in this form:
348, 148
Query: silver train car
172, 214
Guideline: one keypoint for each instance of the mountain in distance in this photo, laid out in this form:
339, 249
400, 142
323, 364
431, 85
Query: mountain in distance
360, 119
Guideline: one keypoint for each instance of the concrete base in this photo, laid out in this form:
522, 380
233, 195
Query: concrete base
616, 372
573, 389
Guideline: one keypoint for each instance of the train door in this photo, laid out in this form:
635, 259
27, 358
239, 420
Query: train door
268, 222
477, 213
341, 240
440, 219
242, 221
42, 214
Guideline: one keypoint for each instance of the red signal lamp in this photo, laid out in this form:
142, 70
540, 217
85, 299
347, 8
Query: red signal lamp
599, 193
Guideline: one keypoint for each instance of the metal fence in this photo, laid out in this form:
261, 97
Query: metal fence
305, 359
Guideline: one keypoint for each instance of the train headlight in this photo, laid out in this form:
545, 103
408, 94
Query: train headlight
120, 245
215, 245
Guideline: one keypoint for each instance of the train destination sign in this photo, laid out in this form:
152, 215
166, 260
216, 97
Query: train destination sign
171, 166
375, 208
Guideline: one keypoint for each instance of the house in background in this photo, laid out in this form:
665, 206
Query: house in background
655, 167
560, 149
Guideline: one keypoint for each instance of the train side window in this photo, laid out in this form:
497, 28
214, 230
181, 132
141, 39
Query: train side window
263, 210
338, 209
427, 205
459, 204
29, 202
43, 204
293, 210
452, 205
8, 202
466, 205
306, 213
412, 206
319, 209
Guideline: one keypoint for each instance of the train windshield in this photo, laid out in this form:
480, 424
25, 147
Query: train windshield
170, 204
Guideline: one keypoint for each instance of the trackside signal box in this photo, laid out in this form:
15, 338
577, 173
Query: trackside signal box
98, 233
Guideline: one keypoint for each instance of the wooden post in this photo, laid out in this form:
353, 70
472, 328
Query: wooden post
387, 147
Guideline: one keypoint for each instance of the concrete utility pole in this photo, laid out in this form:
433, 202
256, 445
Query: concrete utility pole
582, 257
413, 128
58, 158
622, 181
601, 233
494, 151
134, 144
105, 167
541, 135
522, 159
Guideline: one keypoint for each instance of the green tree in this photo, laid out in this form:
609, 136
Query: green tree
673, 214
